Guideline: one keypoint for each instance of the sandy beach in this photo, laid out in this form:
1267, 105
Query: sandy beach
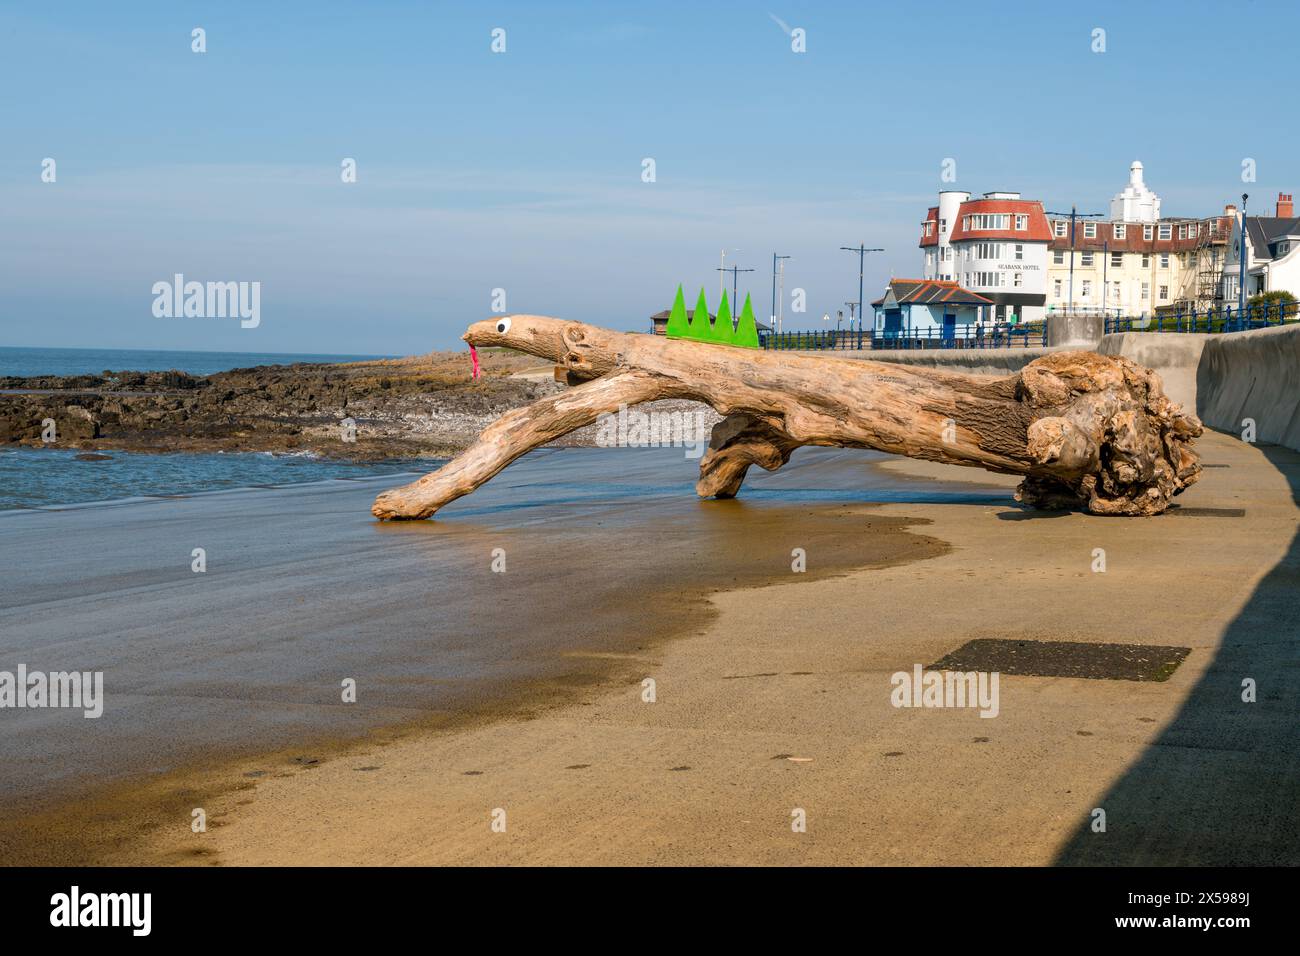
759, 714
605, 554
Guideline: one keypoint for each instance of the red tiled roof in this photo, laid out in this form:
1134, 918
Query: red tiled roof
1133, 232
931, 220
1038, 231
925, 291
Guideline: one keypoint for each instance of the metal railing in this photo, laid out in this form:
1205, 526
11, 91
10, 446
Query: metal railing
956, 337
1225, 319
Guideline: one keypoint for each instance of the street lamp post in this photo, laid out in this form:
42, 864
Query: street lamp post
775, 259
722, 268
735, 271
1105, 275
1241, 269
862, 251
1074, 214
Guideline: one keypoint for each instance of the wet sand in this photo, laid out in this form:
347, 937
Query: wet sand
608, 554
778, 699
767, 712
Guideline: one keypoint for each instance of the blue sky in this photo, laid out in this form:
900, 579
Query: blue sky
522, 170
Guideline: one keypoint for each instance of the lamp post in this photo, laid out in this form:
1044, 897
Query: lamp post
1105, 273
862, 251
735, 271
1241, 274
722, 267
775, 259
1074, 214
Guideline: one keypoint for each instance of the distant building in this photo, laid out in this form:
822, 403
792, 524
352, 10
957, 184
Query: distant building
1137, 263
927, 307
1272, 253
994, 246
1135, 202
659, 321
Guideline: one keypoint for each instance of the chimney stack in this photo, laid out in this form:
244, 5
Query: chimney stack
1285, 207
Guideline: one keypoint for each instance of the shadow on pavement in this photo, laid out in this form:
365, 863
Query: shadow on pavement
1221, 784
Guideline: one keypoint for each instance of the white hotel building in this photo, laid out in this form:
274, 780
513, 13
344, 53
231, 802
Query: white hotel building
1136, 262
995, 246
1133, 262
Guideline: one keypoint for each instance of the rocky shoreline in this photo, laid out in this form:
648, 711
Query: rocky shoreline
420, 406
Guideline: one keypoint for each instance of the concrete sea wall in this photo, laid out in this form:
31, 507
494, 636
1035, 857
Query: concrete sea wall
1252, 375
1228, 377
1175, 355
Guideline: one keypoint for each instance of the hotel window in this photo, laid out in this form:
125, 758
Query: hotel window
1087, 289
1164, 293
1085, 260
1016, 279
1020, 252
1056, 288
1120, 229
1148, 232
1146, 260
1146, 291
1166, 231
1059, 226
1192, 229
1164, 260
1116, 260
1022, 223
1090, 230
1058, 258
1114, 290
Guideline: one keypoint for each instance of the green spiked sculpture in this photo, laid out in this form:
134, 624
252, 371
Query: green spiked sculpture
746, 329
699, 328
721, 332
677, 327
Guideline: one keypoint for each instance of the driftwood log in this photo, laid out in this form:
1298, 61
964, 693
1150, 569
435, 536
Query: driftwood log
1085, 430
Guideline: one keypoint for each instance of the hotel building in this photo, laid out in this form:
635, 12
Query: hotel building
995, 246
1137, 262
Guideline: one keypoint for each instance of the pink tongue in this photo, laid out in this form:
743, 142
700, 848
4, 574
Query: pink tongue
473, 357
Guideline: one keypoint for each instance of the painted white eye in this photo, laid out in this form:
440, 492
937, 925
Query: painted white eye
503, 326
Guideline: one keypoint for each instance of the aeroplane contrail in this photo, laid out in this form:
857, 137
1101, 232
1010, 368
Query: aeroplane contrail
780, 23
